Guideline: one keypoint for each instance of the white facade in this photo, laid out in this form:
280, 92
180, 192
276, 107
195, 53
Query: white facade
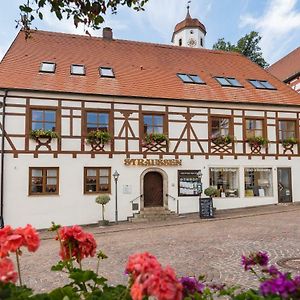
189, 37
192, 147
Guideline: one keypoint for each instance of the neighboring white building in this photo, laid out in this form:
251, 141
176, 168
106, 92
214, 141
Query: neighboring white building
207, 103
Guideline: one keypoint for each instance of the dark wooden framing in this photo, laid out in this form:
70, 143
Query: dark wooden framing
128, 115
97, 180
44, 181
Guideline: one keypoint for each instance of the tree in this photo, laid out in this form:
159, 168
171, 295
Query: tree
87, 12
247, 45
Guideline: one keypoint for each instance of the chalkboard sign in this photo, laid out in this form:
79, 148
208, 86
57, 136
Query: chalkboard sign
206, 210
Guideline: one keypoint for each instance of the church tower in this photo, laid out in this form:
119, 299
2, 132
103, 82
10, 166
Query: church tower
189, 32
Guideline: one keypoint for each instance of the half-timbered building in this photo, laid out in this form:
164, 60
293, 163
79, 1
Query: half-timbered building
75, 109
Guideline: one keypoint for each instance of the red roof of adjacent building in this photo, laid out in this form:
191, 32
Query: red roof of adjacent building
141, 70
287, 67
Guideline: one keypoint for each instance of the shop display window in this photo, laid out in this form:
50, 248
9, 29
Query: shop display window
225, 180
258, 182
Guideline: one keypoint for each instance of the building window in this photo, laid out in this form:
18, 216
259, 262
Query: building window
106, 72
97, 121
43, 119
188, 183
97, 180
286, 129
262, 84
228, 81
180, 42
189, 78
225, 180
258, 182
220, 126
254, 128
78, 70
43, 181
47, 67
153, 124
201, 42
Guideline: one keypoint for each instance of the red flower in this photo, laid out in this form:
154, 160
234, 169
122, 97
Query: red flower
81, 244
7, 273
4, 233
31, 238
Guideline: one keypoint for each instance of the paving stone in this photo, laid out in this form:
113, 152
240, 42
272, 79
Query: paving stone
191, 246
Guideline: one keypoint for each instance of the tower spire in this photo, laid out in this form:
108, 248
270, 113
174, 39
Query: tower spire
188, 16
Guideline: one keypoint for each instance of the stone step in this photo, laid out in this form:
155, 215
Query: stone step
152, 214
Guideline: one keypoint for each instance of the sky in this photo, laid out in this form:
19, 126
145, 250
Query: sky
277, 21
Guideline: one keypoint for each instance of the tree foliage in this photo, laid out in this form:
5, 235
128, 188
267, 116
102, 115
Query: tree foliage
87, 12
247, 45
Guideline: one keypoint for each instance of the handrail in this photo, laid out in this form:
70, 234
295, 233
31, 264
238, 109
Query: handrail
138, 197
177, 202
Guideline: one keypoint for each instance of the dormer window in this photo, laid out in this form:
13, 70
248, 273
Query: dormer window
48, 67
78, 70
189, 78
262, 84
106, 72
228, 81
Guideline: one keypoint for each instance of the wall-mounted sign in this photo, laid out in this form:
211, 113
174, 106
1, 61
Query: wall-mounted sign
152, 162
189, 183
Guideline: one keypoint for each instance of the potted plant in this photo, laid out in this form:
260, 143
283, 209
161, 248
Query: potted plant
291, 141
211, 192
103, 200
154, 138
257, 141
222, 140
42, 134
98, 136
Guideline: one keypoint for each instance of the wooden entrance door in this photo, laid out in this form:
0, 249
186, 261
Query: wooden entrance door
153, 189
284, 185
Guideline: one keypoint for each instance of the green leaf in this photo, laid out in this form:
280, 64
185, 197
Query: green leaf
81, 276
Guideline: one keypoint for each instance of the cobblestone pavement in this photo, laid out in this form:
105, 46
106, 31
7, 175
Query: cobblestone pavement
189, 245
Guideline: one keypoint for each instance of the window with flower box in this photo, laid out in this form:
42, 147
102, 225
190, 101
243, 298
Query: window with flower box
153, 123
258, 182
45, 119
96, 120
43, 181
254, 128
286, 129
220, 126
225, 180
97, 180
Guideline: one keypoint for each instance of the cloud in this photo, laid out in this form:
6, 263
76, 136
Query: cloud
163, 15
279, 26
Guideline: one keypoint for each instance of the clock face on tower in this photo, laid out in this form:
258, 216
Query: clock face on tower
192, 42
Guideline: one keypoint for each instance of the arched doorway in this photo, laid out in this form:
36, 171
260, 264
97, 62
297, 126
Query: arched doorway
153, 190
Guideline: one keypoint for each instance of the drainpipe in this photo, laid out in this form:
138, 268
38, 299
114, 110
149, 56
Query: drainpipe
2, 162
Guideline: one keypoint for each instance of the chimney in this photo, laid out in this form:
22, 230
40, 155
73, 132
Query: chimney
107, 33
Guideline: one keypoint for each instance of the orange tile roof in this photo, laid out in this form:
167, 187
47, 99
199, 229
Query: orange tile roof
288, 66
141, 70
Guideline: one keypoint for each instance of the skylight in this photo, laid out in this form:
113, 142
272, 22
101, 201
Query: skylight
188, 78
262, 84
106, 72
47, 67
228, 81
77, 70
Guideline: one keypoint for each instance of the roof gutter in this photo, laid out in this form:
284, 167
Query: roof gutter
2, 161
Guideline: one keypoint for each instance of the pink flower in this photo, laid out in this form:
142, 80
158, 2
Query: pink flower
81, 244
141, 263
7, 273
4, 233
150, 279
